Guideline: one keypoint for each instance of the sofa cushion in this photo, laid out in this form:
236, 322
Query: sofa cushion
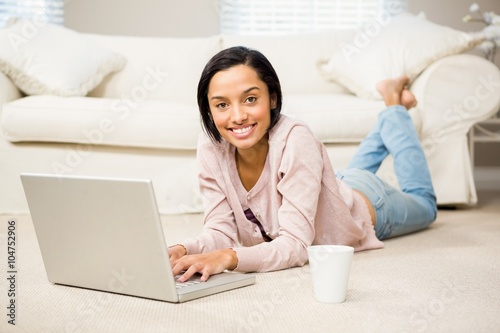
157, 68
43, 58
295, 58
338, 118
405, 45
101, 121
334, 118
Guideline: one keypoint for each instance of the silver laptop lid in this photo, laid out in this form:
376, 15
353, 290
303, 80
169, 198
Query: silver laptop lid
91, 235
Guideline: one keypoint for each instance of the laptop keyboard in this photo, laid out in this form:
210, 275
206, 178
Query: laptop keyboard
190, 282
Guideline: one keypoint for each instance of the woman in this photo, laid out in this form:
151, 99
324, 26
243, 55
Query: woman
268, 184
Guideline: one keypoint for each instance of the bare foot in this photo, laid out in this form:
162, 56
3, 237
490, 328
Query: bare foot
408, 100
394, 92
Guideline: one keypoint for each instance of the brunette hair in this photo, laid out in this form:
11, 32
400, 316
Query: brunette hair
225, 59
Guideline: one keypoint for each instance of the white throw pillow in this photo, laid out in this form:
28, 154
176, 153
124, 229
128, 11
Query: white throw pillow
404, 44
47, 59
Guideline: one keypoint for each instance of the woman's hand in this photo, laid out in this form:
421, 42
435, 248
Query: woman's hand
206, 264
176, 252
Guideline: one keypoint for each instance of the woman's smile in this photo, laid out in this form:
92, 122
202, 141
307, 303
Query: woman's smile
240, 106
242, 131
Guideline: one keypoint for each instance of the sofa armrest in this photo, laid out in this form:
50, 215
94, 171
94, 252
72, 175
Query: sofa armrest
454, 93
8, 91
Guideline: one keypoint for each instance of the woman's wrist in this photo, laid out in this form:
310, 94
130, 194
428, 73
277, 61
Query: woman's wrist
181, 248
232, 259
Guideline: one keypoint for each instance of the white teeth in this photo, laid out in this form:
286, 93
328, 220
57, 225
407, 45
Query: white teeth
242, 130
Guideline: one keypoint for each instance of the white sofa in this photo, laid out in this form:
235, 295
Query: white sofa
143, 122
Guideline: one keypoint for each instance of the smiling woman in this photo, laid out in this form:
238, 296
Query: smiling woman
252, 72
239, 105
270, 190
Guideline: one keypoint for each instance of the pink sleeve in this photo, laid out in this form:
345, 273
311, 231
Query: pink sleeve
219, 231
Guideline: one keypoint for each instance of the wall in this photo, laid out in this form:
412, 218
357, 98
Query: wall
193, 18
451, 12
176, 18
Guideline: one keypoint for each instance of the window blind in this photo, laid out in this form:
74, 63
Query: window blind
42, 10
275, 17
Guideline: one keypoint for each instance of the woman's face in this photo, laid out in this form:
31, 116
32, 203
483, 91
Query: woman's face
240, 105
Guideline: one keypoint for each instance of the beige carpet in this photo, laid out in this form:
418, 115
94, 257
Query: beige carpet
445, 279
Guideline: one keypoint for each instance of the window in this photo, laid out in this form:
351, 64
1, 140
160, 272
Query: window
275, 17
43, 10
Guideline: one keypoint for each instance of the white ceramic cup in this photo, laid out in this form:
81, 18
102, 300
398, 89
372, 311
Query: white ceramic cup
330, 267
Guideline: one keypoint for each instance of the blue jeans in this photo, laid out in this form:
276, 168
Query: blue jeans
398, 212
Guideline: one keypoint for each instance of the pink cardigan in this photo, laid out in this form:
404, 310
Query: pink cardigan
297, 199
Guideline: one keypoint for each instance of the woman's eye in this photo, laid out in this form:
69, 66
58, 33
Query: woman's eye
221, 105
251, 99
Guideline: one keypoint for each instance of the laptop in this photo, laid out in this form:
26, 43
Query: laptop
106, 234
